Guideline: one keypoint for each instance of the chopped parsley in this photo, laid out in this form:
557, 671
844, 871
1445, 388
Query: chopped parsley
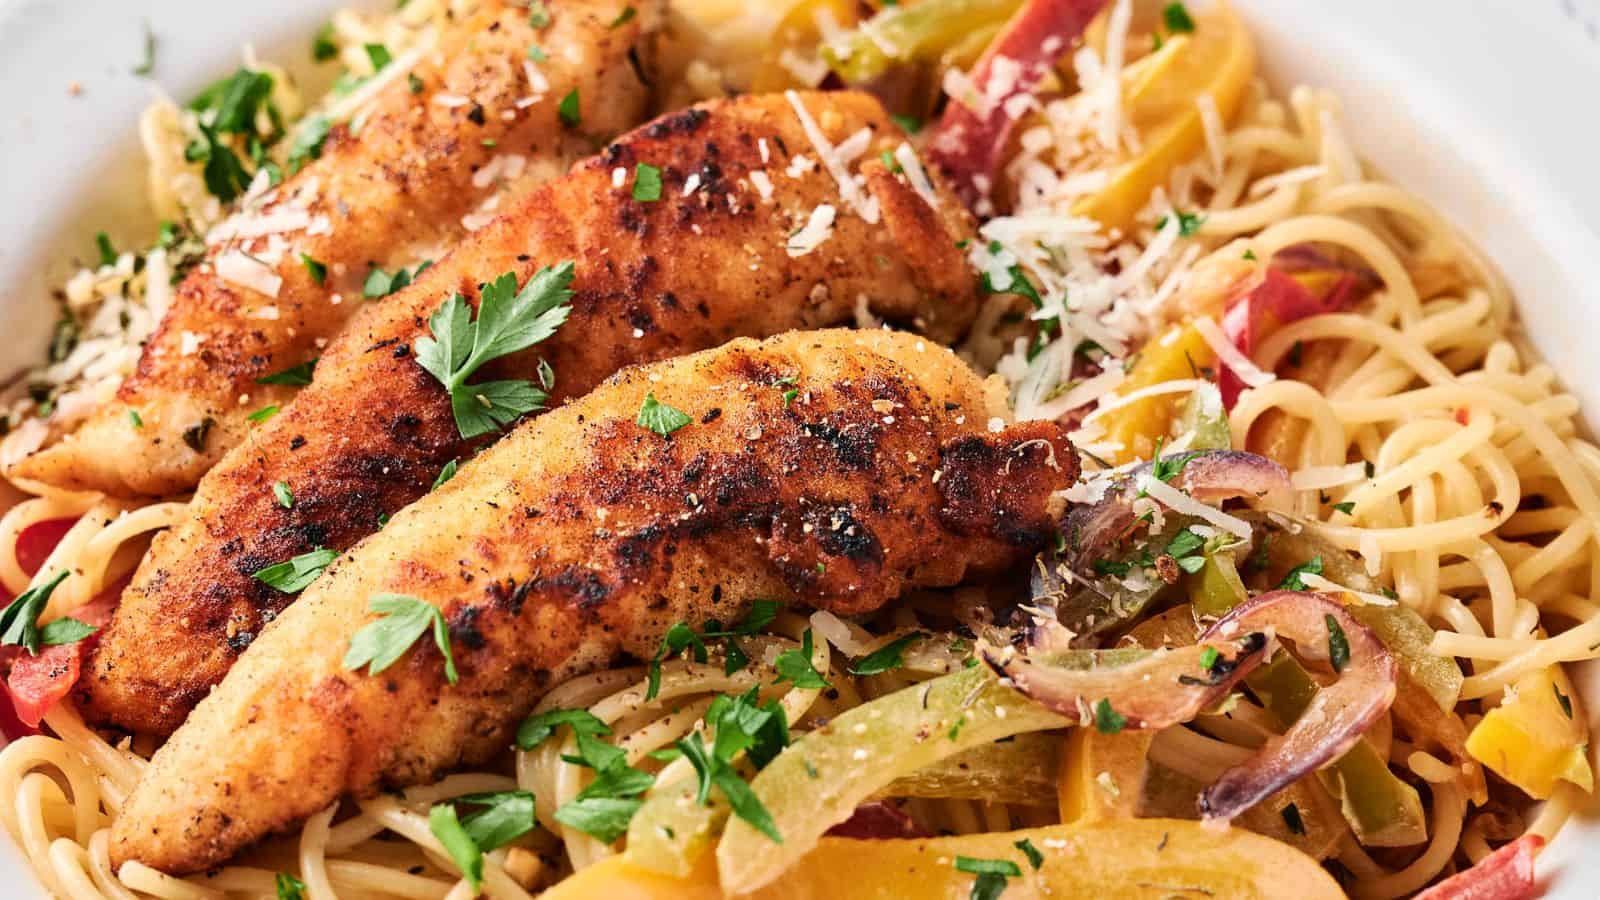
992, 875
381, 284
444, 824
284, 496
908, 124
603, 818
315, 268
1184, 549
536, 53
292, 576
147, 63
1291, 818
1177, 18
1345, 507
795, 666
264, 413
1035, 858
19, 621
135, 419
446, 472
378, 55
659, 417
681, 637
741, 725
886, 657
402, 620
108, 253
322, 46
289, 887
414, 82
1294, 580
294, 376
646, 181
1338, 644
1208, 658
1188, 223
623, 17
1106, 719
538, 14
508, 321
308, 141
1563, 699
568, 111
535, 729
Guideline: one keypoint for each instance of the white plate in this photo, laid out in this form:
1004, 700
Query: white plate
1485, 108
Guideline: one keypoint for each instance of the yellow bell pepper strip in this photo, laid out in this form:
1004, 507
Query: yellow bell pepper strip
820, 779
1176, 354
915, 33
1537, 737
796, 38
1130, 859
1102, 775
972, 135
1218, 59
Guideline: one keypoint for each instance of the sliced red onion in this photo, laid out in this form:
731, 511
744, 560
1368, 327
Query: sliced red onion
969, 143
879, 820
1140, 688
1067, 581
1505, 874
1337, 716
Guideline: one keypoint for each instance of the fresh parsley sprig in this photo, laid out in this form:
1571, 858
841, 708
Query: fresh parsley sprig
19, 621
795, 666
501, 817
508, 321
742, 725
402, 621
886, 657
293, 575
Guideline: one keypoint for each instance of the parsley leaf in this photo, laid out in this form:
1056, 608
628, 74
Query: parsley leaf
322, 46
1338, 644
646, 181
289, 887
1106, 719
447, 472
677, 638
886, 657
264, 413
504, 817
741, 727
1293, 580
315, 268
568, 111
378, 55
908, 124
402, 620
603, 818
292, 576
508, 320
148, 63
108, 253
623, 17
296, 376
67, 630
795, 666
381, 284
280, 490
464, 852
1177, 18
135, 419
19, 621
992, 875
1035, 858
308, 141
1345, 507
535, 729
538, 14
659, 417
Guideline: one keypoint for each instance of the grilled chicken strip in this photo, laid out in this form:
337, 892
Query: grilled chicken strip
583, 536
711, 260
486, 119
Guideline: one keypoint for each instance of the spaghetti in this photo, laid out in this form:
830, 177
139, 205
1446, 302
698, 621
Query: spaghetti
1426, 439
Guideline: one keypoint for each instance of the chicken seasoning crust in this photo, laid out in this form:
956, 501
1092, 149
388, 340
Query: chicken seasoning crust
586, 535
686, 271
986, 449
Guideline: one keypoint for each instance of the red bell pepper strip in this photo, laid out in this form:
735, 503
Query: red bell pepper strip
1505, 874
968, 143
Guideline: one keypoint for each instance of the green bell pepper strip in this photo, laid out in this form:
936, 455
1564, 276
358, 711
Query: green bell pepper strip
820, 779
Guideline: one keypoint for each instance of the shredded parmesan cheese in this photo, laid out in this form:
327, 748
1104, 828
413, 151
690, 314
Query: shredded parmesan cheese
1230, 355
